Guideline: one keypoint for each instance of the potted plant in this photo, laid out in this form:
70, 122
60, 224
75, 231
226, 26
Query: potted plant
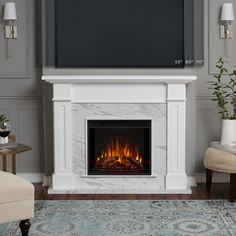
224, 93
4, 129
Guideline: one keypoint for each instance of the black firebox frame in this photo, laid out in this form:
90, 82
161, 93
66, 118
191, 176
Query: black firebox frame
92, 125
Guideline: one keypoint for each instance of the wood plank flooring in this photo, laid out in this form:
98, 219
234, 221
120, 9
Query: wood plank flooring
219, 191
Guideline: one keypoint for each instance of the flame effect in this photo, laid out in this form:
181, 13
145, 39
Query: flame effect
116, 149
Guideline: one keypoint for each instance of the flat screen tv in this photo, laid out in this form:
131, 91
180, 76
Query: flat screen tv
120, 33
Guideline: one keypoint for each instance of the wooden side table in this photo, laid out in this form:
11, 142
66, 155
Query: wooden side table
13, 152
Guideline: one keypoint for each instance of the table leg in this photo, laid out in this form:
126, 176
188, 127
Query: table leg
4, 163
14, 164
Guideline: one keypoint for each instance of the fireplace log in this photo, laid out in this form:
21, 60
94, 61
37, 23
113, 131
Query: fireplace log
101, 161
126, 162
118, 166
111, 162
107, 162
135, 162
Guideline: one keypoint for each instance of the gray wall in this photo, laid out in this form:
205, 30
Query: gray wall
203, 123
20, 86
49, 69
208, 122
22, 94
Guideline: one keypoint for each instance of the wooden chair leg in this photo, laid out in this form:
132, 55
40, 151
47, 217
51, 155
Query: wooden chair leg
14, 164
208, 179
232, 187
4, 163
25, 226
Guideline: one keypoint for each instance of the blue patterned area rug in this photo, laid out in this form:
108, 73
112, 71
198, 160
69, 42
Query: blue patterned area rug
135, 218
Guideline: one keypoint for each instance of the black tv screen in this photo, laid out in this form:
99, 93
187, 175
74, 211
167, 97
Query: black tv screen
120, 33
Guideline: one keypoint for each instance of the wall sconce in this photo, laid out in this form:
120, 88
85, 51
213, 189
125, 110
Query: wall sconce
10, 16
226, 28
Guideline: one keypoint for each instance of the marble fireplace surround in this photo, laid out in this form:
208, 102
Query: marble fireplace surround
161, 99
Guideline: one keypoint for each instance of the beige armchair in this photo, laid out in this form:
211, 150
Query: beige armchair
16, 201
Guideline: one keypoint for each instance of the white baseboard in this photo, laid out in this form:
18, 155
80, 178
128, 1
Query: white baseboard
37, 178
191, 180
32, 177
201, 179
216, 178
47, 181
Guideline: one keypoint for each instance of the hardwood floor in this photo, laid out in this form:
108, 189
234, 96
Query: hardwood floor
218, 191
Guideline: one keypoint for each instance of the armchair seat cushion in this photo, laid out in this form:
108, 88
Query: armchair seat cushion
16, 198
219, 160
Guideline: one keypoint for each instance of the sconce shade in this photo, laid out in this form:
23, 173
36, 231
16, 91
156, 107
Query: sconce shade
227, 13
10, 11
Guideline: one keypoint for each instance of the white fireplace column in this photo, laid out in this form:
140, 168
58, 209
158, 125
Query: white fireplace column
176, 177
62, 177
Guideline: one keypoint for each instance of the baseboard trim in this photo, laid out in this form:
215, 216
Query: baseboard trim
21, 97
216, 178
37, 178
47, 181
32, 177
191, 180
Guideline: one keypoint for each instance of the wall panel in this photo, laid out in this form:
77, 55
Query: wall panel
14, 57
27, 125
21, 86
208, 128
217, 45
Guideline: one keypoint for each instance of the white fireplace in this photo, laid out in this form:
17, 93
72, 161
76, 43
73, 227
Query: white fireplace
158, 99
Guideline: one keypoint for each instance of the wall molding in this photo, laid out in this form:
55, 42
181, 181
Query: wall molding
21, 97
202, 97
205, 97
210, 33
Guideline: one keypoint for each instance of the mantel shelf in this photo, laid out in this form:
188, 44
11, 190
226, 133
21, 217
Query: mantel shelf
73, 79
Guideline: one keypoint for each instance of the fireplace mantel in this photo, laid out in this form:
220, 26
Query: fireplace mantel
71, 90
181, 79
